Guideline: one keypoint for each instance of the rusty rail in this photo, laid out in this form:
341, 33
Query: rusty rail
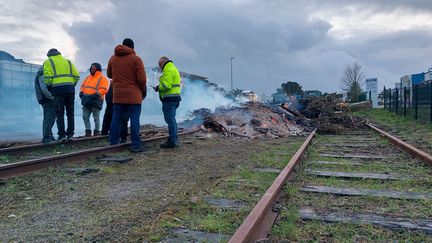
27, 166
403, 145
258, 223
20, 149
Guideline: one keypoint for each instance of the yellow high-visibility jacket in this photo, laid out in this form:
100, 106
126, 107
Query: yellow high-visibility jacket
60, 75
169, 83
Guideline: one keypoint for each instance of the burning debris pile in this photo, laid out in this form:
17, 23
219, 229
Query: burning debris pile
329, 114
252, 120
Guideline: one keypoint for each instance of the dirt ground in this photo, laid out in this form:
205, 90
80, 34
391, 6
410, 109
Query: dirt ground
120, 201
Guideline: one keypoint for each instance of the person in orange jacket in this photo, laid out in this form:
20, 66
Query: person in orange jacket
93, 90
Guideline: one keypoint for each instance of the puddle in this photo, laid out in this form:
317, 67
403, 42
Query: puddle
225, 203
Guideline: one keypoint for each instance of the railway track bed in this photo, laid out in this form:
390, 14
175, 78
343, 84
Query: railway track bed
357, 193
367, 191
108, 201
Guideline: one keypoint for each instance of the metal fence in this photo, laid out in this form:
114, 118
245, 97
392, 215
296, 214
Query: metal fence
415, 101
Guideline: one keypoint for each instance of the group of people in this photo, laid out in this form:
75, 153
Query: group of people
55, 90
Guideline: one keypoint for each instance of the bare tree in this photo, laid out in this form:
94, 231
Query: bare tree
352, 82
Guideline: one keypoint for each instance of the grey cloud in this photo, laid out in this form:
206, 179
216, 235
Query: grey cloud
201, 39
273, 41
376, 5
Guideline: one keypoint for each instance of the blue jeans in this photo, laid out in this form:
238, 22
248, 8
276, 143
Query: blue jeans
133, 113
169, 110
106, 124
49, 116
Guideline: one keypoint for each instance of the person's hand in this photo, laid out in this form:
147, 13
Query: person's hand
156, 89
81, 94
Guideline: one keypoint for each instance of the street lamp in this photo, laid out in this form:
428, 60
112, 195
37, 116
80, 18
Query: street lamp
231, 75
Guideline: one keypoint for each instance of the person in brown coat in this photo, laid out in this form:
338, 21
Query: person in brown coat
126, 70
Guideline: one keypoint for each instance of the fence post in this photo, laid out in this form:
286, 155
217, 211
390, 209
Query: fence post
409, 97
430, 101
384, 94
390, 99
415, 101
396, 100
405, 100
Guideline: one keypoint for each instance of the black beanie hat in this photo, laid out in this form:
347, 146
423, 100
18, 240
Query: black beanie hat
53, 52
128, 42
97, 65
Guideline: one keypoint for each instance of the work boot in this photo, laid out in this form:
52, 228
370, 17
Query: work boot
141, 149
48, 140
61, 138
168, 145
88, 133
96, 133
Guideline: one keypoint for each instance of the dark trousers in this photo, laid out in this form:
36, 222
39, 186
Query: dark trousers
131, 111
49, 116
62, 102
106, 124
169, 110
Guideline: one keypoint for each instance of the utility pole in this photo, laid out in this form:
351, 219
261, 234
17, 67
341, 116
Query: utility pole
231, 75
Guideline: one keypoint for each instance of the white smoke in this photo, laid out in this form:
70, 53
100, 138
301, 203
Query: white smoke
197, 94
21, 117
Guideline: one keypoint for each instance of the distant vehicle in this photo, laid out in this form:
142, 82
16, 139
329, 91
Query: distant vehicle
249, 94
312, 93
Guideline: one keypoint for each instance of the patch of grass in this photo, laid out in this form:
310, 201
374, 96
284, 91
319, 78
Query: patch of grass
215, 221
412, 130
278, 156
108, 169
285, 226
244, 184
340, 232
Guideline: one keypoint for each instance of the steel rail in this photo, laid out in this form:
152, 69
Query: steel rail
28, 166
19, 149
258, 223
403, 145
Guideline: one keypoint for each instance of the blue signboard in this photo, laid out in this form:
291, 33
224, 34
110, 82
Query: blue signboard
417, 78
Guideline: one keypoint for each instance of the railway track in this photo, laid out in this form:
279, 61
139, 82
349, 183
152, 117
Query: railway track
352, 187
78, 154
12, 150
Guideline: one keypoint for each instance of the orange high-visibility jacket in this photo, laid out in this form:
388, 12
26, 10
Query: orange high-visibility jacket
95, 84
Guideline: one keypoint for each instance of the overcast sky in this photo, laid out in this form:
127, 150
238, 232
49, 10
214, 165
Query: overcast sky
273, 41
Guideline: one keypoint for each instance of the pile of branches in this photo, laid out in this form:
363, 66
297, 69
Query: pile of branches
251, 120
330, 114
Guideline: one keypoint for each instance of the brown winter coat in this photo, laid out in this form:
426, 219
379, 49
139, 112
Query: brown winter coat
128, 76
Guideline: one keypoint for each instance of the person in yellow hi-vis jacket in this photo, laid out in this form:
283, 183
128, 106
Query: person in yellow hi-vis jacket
169, 89
92, 93
61, 76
